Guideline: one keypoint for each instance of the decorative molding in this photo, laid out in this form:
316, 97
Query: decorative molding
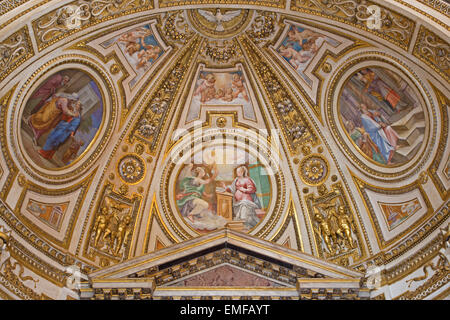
434, 51
395, 27
15, 50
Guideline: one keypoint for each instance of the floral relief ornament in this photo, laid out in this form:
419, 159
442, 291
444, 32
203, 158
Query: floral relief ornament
131, 168
313, 169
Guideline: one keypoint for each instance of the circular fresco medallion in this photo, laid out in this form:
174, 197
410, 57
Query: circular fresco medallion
61, 119
382, 116
223, 187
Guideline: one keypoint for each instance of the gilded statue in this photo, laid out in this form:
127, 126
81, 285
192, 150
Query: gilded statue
345, 226
324, 231
121, 235
111, 225
100, 224
334, 227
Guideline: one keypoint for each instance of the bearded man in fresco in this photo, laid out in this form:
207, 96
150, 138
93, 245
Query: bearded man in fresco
48, 89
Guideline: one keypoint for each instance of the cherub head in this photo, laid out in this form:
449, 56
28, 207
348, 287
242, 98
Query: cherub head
210, 78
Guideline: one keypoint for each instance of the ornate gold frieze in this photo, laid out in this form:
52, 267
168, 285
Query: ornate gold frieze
263, 3
442, 264
14, 50
337, 237
438, 280
37, 265
149, 125
393, 26
79, 15
294, 124
434, 51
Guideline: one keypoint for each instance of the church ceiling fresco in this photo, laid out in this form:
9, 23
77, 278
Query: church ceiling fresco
130, 127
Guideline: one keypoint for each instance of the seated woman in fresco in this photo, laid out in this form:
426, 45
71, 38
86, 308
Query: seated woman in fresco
67, 126
245, 201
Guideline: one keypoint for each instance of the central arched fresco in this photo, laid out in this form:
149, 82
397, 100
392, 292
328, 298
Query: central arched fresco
221, 186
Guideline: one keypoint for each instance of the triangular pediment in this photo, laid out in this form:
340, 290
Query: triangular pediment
226, 275
219, 263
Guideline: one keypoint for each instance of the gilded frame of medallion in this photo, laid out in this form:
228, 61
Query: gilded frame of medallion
444, 102
348, 147
262, 229
97, 144
13, 171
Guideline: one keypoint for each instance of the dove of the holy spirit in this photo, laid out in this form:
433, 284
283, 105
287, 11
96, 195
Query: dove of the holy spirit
218, 18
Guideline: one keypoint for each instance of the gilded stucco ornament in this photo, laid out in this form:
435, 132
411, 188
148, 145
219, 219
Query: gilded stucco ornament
175, 27
393, 26
336, 233
80, 14
131, 168
113, 225
313, 169
220, 51
153, 126
434, 51
14, 50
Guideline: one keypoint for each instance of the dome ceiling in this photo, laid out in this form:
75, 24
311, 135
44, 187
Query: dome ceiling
133, 126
